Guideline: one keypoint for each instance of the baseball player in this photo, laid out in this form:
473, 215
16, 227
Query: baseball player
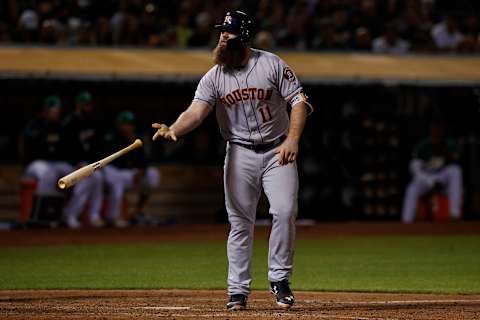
128, 172
249, 90
434, 165
44, 148
83, 134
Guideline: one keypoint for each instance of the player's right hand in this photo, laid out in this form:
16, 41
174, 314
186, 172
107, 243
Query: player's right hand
287, 152
163, 131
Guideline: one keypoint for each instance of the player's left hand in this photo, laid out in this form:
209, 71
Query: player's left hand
287, 152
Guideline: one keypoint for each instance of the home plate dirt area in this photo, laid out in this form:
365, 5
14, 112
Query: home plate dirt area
210, 304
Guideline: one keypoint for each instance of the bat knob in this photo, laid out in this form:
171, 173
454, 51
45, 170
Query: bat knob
138, 143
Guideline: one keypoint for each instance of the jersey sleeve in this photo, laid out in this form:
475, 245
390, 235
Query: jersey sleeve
287, 82
206, 91
289, 86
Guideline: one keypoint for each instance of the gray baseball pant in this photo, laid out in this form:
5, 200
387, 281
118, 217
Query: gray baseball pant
246, 173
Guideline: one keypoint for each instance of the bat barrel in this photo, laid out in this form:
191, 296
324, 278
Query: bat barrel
62, 184
77, 175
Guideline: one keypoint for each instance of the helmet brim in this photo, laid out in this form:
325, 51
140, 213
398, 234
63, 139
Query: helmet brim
227, 28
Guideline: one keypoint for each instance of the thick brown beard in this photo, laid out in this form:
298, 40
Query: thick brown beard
229, 58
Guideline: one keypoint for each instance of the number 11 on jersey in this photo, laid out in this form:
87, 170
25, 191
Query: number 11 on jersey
265, 113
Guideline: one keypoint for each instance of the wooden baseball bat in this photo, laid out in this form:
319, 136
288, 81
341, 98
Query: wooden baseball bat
85, 171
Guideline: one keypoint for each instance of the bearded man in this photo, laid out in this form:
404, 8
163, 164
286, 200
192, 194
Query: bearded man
250, 91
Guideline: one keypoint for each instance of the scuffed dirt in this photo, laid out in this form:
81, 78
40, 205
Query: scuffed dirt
202, 304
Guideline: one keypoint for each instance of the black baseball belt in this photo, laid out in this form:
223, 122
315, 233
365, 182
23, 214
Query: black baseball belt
260, 148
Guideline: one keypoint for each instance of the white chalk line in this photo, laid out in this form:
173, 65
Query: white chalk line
397, 302
351, 318
164, 308
255, 316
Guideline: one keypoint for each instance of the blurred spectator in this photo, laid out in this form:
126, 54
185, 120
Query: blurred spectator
103, 32
294, 36
362, 40
368, 16
324, 35
414, 26
471, 32
421, 40
434, 166
28, 25
467, 45
128, 172
301, 24
446, 35
390, 42
153, 28
471, 26
130, 31
116, 22
202, 33
264, 11
273, 19
341, 31
83, 133
332, 32
51, 31
4, 34
263, 40
183, 32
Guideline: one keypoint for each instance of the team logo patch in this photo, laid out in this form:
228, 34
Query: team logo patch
288, 74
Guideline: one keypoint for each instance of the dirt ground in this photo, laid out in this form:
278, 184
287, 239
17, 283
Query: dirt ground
201, 304
186, 304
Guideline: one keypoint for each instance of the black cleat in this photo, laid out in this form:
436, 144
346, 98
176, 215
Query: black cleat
283, 294
237, 302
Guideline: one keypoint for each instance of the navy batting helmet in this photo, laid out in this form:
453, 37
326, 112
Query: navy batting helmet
239, 23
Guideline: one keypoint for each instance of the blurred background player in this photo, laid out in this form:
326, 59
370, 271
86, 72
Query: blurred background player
127, 172
433, 166
43, 147
84, 138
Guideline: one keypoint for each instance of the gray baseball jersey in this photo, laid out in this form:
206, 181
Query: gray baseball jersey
251, 103
251, 108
